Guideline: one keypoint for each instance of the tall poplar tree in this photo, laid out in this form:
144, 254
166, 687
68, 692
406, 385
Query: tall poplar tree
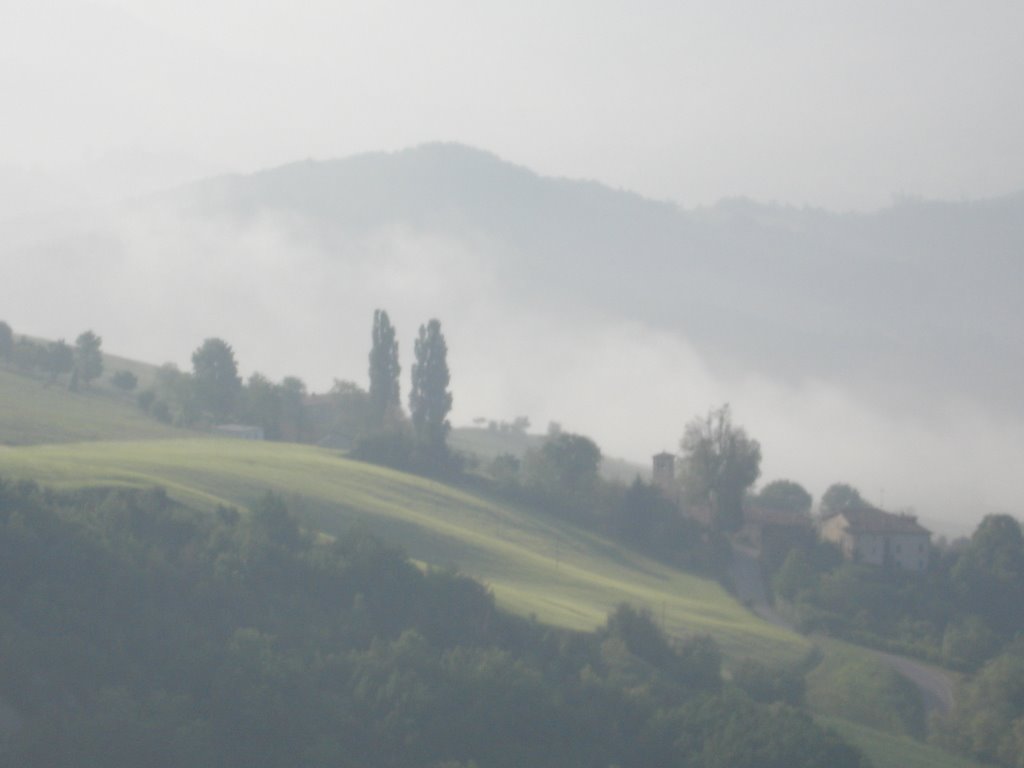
430, 401
385, 394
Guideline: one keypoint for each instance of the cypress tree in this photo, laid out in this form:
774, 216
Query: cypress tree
430, 401
385, 395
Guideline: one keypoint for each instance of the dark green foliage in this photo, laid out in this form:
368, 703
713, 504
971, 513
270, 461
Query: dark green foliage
968, 641
960, 612
770, 684
176, 399
60, 359
719, 464
570, 461
802, 566
867, 691
138, 633
261, 405
344, 414
215, 375
644, 518
777, 541
785, 495
989, 574
293, 414
6, 341
88, 358
731, 731
565, 471
988, 719
562, 478
126, 381
643, 638
384, 392
430, 401
840, 496
505, 468
279, 409
29, 356
393, 447
145, 399
796, 574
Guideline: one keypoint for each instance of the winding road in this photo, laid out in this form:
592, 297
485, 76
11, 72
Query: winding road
935, 685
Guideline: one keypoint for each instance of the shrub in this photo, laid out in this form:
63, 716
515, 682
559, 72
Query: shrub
126, 381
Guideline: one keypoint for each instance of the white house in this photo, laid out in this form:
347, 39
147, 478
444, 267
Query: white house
871, 536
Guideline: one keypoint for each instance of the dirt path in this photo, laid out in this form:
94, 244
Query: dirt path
749, 585
935, 685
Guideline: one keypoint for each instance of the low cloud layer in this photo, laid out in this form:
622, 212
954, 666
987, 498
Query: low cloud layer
155, 283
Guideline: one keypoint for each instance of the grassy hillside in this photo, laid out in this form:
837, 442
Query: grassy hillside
534, 564
886, 750
33, 412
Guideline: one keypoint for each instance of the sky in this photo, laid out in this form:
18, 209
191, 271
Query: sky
845, 105
839, 104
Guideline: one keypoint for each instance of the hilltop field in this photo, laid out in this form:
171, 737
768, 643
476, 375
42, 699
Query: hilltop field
534, 564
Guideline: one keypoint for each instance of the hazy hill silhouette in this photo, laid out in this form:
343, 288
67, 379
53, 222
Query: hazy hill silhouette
919, 297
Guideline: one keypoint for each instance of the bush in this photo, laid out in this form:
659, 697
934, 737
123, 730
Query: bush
126, 381
393, 448
145, 399
769, 684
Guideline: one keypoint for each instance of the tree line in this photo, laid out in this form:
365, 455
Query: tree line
240, 639
371, 421
81, 364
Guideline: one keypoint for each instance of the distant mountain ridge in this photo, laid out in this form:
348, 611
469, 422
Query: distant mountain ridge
921, 294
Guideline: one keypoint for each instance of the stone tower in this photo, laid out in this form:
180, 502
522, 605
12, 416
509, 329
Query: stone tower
664, 475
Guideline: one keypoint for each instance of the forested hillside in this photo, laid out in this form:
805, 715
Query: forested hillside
137, 632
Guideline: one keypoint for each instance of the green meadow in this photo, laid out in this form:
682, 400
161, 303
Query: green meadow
33, 412
535, 565
887, 750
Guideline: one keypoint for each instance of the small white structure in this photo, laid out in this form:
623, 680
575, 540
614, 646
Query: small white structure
868, 535
239, 431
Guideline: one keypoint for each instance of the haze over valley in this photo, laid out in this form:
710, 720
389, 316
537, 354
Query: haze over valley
880, 348
479, 385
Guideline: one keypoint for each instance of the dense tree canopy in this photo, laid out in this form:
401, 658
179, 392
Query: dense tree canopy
719, 464
989, 574
215, 374
839, 497
564, 471
240, 640
430, 400
60, 359
786, 495
988, 719
88, 358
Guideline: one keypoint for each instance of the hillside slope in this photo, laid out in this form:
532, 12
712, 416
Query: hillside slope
534, 564
33, 412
